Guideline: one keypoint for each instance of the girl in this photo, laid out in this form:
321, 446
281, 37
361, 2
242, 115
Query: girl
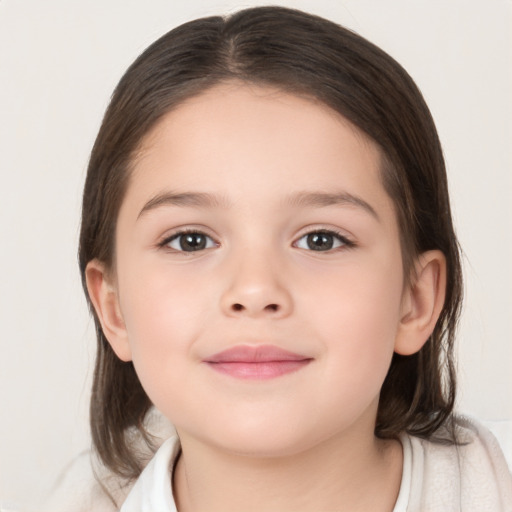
269, 255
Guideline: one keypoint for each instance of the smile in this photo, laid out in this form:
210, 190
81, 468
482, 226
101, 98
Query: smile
259, 362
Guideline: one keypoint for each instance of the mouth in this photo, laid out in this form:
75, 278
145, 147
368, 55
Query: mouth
257, 362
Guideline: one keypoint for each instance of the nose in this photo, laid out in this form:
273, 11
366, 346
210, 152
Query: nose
255, 287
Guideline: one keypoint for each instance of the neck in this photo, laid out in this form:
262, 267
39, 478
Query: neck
351, 472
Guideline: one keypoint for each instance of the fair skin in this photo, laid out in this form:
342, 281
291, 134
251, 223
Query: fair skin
280, 168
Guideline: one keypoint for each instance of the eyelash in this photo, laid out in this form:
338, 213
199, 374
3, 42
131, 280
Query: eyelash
345, 242
164, 244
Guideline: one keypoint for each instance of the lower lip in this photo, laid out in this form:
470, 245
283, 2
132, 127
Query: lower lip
261, 370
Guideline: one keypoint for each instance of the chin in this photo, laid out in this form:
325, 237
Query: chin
258, 439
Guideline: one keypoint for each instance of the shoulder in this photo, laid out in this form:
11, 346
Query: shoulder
86, 485
79, 488
502, 431
473, 474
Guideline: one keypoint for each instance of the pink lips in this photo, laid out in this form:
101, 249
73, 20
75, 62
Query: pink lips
259, 362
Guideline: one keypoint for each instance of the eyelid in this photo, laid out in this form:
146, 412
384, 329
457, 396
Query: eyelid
177, 232
346, 240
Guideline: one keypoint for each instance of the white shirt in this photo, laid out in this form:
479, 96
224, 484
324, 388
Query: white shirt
473, 477
435, 477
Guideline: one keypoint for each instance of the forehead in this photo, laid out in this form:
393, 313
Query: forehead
250, 106
243, 140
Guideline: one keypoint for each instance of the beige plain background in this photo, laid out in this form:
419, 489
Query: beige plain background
59, 61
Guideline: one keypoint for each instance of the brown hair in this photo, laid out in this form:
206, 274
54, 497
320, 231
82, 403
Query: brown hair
307, 55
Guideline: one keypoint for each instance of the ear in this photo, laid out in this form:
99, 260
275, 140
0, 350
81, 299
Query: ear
422, 302
105, 299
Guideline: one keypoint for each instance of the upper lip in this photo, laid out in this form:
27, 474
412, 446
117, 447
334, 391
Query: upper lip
254, 354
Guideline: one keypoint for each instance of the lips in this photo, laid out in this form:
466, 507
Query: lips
257, 362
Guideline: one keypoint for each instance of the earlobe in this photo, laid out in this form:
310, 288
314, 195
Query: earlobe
422, 302
105, 300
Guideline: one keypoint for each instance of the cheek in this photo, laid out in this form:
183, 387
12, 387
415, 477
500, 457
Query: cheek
358, 320
164, 319
164, 314
156, 302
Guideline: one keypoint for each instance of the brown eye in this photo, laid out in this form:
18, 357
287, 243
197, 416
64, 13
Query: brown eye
190, 242
322, 241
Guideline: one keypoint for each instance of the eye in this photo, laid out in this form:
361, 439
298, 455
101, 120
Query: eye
189, 241
323, 240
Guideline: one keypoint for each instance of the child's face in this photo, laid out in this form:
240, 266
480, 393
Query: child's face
267, 161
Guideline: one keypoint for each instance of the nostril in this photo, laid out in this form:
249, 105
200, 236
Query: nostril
270, 307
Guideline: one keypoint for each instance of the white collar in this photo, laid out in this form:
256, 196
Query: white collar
153, 492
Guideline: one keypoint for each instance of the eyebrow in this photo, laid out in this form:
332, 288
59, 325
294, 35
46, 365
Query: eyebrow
324, 199
300, 199
191, 199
